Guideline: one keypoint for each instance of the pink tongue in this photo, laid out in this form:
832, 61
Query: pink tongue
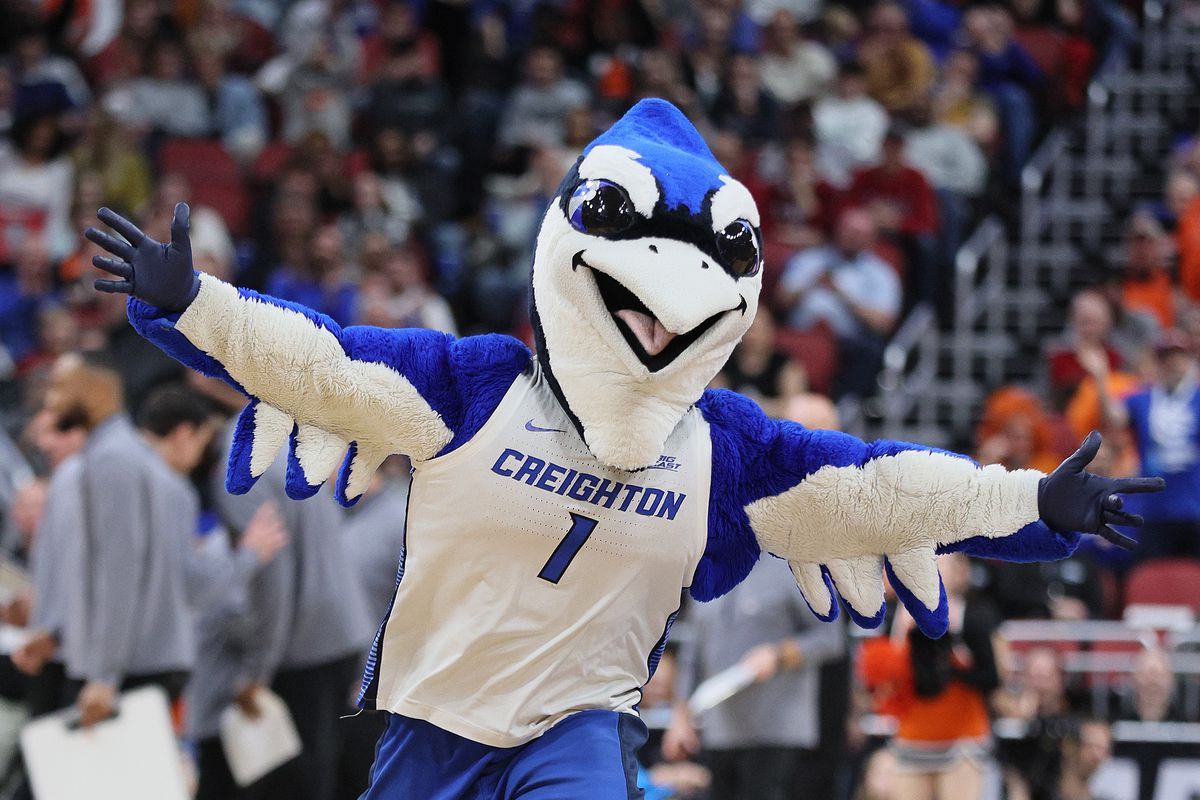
648, 330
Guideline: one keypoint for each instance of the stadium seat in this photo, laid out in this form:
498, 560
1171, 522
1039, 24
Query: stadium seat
1165, 581
214, 175
816, 350
201, 160
271, 161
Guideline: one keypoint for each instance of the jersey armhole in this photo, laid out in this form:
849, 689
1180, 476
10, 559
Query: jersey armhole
509, 403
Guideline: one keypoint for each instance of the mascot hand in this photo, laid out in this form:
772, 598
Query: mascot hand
160, 274
1073, 499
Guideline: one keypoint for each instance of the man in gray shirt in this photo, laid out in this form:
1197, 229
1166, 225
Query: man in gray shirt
848, 288
761, 741
305, 629
110, 566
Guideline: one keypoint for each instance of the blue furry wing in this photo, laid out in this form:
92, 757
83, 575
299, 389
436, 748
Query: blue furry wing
337, 396
842, 511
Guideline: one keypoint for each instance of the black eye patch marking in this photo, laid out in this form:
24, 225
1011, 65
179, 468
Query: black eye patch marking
679, 223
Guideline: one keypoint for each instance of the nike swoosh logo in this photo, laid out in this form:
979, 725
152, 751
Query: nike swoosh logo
529, 426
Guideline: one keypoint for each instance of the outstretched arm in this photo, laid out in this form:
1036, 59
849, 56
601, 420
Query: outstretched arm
841, 510
350, 396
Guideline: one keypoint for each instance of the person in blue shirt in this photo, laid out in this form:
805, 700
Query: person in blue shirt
322, 283
1164, 418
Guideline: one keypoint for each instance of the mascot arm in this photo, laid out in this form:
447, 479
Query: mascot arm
347, 396
352, 395
841, 511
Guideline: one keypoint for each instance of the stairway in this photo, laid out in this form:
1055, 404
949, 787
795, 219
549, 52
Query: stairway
1013, 287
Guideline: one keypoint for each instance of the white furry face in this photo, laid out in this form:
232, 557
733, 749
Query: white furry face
640, 305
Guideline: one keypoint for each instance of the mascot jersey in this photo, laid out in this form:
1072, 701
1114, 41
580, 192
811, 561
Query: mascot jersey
562, 499
564, 574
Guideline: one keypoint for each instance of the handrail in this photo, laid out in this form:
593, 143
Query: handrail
1033, 174
966, 271
907, 336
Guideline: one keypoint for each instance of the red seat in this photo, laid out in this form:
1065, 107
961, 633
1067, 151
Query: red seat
271, 161
816, 349
214, 176
1165, 581
201, 160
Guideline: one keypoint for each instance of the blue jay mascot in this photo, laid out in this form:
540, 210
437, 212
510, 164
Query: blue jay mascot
562, 499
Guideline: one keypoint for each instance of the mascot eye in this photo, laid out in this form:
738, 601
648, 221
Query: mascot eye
600, 208
738, 248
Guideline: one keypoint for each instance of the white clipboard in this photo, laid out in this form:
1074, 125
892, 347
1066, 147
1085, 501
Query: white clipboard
720, 687
255, 747
133, 756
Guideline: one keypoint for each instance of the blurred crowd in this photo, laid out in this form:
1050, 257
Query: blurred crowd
388, 163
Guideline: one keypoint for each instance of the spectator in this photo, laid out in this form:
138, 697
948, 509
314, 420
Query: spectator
958, 103
24, 294
744, 106
1010, 77
1152, 683
1085, 748
954, 165
800, 205
47, 82
1089, 329
850, 127
1040, 701
853, 291
1016, 432
904, 208
794, 69
407, 93
660, 75
760, 370
899, 67
939, 689
536, 110
1146, 284
122, 622
372, 213
1183, 202
226, 569
759, 743
110, 151
373, 540
304, 631
165, 100
236, 113
324, 281
1165, 421
401, 297
36, 187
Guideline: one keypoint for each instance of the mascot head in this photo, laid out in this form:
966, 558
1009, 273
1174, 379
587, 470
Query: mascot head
646, 274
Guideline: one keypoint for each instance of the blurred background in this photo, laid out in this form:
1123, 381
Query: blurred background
981, 224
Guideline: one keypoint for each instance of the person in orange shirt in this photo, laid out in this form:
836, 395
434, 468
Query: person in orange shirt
1145, 281
1017, 432
938, 689
900, 69
1183, 198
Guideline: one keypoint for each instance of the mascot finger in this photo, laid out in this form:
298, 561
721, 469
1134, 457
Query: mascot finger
860, 583
355, 475
915, 579
260, 433
312, 458
816, 588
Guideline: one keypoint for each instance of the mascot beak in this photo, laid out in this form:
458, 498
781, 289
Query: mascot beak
661, 294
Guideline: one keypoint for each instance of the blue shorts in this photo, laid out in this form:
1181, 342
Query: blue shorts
590, 755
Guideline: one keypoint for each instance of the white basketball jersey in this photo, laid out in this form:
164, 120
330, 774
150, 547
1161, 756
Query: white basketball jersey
536, 581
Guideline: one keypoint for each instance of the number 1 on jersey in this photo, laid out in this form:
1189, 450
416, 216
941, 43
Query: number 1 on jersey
564, 554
